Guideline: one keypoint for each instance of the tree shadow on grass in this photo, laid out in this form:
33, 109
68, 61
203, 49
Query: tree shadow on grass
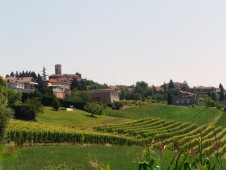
91, 116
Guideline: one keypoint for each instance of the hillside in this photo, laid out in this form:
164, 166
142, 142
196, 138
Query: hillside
77, 118
197, 115
137, 126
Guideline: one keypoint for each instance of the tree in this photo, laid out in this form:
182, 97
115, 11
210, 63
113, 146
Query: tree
75, 85
123, 93
170, 98
154, 89
11, 96
185, 86
12, 74
117, 106
221, 98
164, 87
214, 96
44, 75
2, 82
142, 91
5, 115
35, 105
209, 102
93, 108
78, 99
56, 104
41, 85
140, 87
79, 96
171, 85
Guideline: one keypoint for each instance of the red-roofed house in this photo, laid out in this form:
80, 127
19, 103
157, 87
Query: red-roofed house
23, 84
185, 99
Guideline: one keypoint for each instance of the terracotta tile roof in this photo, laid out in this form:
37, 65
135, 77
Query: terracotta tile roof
101, 90
19, 80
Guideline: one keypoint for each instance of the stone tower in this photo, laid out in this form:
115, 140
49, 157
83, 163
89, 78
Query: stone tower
58, 69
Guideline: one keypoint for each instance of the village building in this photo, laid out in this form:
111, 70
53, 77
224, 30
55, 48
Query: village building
185, 98
106, 96
202, 91
61, 83
21, 84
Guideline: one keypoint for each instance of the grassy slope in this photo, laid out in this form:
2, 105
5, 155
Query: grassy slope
198, 115
222, 120
77, 118
118, 158
77, 156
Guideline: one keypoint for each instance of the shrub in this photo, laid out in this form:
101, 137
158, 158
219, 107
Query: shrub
35, 104
117, 106
93, 108
219, 105
23, 112
28, 110
56, 104
47, 100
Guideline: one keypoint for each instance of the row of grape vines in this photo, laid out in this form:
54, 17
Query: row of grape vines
179, 136
155, 132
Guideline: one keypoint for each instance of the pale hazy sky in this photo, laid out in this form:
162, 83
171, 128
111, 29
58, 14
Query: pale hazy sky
117, 41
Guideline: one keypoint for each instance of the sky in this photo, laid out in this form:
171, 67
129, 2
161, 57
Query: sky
115, 41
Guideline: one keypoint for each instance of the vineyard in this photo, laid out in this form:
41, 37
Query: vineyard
178, 136
29, 133
150, 131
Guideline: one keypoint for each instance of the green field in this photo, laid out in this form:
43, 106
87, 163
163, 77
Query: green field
78, 157
36, 158
77, 118
197, 115
222, 121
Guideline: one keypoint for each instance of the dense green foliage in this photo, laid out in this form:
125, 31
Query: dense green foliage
222, 97
78, 99
10, 95
38, 133
5, 115
2, 82
117, 105
28, 110
180, 160
5, 111
170, 98
56, 104
85, 84
23, 112
94, 108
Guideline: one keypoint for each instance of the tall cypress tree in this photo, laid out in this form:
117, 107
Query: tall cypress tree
170, 98
221, 98
171, 85
44, 75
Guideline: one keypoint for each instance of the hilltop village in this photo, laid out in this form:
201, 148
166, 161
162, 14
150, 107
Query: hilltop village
62, 85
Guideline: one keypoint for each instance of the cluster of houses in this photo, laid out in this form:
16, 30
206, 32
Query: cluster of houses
61, 86
61, 83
